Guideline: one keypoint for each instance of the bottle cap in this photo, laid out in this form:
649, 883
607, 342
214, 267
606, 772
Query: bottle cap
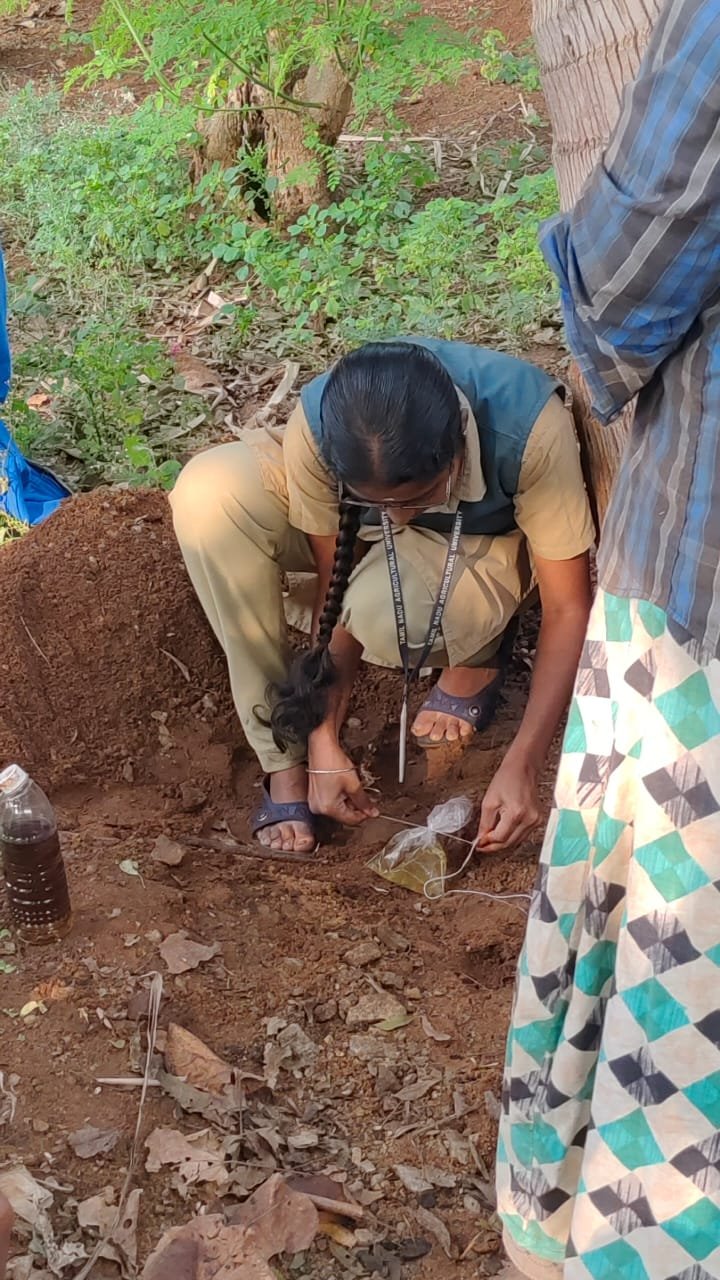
12, 779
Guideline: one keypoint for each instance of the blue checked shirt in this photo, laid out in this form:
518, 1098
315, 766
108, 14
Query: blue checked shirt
638, 261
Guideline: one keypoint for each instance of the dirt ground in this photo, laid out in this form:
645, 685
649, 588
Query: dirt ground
114, 694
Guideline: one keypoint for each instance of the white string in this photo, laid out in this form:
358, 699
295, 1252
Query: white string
442, 880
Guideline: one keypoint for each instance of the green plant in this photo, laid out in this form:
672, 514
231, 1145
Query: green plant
10, 528
113, 413
500, 65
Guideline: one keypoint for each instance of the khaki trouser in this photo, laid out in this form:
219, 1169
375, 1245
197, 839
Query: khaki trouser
230, 514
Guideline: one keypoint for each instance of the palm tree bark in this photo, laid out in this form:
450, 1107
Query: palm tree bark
588, 51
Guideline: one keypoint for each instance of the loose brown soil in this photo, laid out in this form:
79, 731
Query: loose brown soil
114, 694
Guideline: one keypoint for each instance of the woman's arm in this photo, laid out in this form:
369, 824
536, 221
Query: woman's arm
510, 807
339, 796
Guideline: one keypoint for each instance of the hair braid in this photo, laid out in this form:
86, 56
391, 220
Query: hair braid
300, 703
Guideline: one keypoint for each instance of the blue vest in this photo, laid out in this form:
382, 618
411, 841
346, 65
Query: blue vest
506, 396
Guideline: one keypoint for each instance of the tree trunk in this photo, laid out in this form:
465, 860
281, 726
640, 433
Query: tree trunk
588, 51
299, 170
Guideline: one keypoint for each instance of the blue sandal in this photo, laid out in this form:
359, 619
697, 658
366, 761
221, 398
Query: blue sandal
478, 710
272, 812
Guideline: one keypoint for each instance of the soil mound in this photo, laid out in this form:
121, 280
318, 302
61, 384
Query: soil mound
107, 666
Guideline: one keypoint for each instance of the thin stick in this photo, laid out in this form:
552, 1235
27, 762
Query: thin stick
34, 642
154, 1002
342, 1208
244, 850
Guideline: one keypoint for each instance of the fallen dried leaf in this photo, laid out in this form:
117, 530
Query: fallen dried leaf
291, 1050
221, 1111
394, 1024
196, 376
46, 992
89, 1142
167, 851
412, 1179
431, 1032
277, 1219
203, 1249
435, 1227
412, 1092
188, 1057
99, 1213
181, 954
194, 1162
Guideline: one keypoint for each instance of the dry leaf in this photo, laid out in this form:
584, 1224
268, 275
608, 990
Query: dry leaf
394, 1024
54, 989
195, 375
203, 1249
89, 1141
167, 851
221, 1111
181, 954
188, 1057
285, 386
431, 1032
277, 1219
436, 1228
412, 1179
99, 1213
194, 1162
412, 1092
31, 1202
291, 1050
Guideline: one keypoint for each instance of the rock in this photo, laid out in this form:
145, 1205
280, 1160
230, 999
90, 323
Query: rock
389, 978
326, 1011
191, 798
362, 954
376, 1006
413, 993
390, 939
370, 1048
386, 1081
167, 851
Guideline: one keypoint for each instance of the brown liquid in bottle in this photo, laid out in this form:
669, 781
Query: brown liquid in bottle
37, 889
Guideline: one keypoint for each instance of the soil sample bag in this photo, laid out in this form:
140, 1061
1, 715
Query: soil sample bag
423, 858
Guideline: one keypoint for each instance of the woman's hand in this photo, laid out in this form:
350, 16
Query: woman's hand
510, 809
339, 796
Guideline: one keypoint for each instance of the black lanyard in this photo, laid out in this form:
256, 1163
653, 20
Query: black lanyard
411, 673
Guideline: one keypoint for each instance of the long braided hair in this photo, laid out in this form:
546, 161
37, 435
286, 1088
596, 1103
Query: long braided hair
389, 415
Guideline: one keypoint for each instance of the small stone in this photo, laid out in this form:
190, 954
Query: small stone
414, 993
389, 978
326, 1011
377, 1006
427, 1199
191, 798
362, 954
386, 1081
167, 851
369, 1048
40, 1126
390, 939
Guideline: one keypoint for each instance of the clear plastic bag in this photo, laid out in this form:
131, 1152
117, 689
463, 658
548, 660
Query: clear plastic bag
418, 859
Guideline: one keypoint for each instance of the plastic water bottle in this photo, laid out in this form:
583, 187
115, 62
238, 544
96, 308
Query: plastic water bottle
35, 879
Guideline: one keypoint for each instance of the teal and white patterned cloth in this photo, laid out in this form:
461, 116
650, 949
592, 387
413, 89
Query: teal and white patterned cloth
609, 1150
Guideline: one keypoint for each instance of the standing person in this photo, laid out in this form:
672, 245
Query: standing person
456, 467
609, 1152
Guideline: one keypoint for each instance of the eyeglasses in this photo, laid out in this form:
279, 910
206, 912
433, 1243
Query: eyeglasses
424, 502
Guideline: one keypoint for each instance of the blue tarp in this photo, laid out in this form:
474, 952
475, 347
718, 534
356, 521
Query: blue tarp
27, 492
